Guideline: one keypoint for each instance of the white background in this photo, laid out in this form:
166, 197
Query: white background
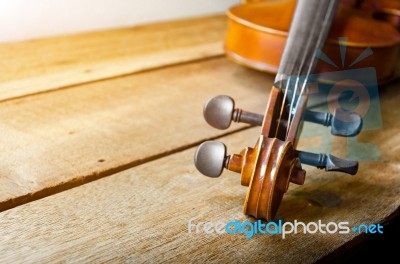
31, 19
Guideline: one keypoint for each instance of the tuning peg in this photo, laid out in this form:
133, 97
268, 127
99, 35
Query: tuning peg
328, 162
343, 122
210, 158
220, 111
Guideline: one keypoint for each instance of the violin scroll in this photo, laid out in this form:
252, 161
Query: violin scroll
266, 184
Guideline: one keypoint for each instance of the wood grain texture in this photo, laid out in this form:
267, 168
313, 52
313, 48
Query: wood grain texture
55, 141
141, 214
48, 64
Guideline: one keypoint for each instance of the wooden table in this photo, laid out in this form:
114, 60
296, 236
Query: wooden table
98, 133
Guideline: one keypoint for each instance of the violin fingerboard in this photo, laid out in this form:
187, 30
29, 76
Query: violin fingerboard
309, 29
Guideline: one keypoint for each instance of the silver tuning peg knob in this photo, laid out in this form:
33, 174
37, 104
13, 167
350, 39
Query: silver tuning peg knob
210, 158
219, 112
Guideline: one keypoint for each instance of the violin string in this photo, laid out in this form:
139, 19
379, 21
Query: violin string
329, 13
306, 55
291, 70
319, 41
283, 105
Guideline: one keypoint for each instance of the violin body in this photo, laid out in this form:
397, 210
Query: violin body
257, 34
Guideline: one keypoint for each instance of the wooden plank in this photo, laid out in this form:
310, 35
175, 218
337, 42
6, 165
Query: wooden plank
142, 214
48, 64
54, 141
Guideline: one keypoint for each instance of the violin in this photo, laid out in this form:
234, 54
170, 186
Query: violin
268, 168
257, 33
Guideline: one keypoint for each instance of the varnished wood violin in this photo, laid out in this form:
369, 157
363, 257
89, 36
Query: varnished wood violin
257, 33
274, 162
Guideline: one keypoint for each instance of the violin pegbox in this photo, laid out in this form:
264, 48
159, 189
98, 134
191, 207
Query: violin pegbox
273, 163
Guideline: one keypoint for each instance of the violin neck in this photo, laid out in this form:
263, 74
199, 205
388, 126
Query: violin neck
310, 27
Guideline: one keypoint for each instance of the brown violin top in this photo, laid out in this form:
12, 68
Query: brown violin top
257, 33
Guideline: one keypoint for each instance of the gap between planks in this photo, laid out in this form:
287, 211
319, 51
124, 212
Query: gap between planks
83, 179
55, 141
